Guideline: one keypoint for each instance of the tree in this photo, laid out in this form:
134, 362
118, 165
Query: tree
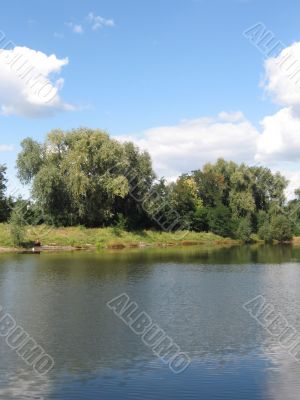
85, 177
293, 212
297, 193
210, 185
200, 219
241, 199
184, 199
140, 177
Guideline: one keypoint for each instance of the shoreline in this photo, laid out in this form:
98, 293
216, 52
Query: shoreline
116, 246
80, 238
74, 239
47, 249
131, 246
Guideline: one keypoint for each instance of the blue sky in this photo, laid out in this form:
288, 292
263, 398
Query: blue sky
151, 71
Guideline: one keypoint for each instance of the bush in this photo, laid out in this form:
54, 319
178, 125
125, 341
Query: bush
254, 238
265, 233
281, 228
244, 230
120, 225
17, 227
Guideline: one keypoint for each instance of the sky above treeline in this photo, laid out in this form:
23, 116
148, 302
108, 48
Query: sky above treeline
188, 80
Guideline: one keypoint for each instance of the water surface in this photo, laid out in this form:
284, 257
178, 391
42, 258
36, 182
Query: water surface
195, 294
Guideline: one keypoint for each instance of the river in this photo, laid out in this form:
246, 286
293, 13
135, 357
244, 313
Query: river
195, 295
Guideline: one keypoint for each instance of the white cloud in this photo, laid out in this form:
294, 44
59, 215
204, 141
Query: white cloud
280, 137
231, 116
76, 28
27, 87
6, 148
282, 77
98, 22
294, 182
188, 145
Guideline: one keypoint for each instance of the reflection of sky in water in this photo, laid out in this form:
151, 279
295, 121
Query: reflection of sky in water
22, 384
195, 295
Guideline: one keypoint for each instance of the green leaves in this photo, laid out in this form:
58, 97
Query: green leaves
17, 226
84, 177
71, 178
30, 160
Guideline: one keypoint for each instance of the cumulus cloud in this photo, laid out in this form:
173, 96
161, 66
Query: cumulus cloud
282, 77
98, 22
27, 87
191, 143
280, 137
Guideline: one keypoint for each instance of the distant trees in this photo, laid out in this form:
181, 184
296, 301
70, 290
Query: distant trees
85, 177
240, 200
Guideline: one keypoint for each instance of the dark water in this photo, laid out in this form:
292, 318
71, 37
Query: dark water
194, 294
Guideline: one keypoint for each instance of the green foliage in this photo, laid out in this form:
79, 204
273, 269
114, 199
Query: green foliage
4, 202
265, 233
244, 230
219, 221
120, 224
210, 185
281, 228
184, 199
200, 219
17, 226
276, 227
30, 160
84, 177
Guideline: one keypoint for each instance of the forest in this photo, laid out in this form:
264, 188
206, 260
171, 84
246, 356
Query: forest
85, 177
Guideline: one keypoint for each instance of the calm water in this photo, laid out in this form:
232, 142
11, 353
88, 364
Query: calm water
195, 295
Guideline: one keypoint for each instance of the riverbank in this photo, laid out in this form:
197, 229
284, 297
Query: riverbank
81, 238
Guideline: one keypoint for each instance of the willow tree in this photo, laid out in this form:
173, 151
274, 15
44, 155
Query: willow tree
80, 176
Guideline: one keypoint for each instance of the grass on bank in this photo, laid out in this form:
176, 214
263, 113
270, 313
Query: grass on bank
109, 237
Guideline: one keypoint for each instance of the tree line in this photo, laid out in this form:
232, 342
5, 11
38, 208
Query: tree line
84, 177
